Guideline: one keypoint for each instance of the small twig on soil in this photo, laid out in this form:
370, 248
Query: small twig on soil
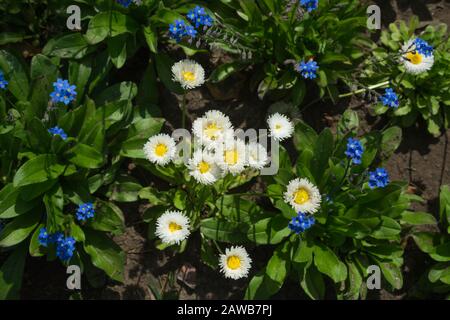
375, 86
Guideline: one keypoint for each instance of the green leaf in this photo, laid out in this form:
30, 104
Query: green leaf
39, 169
389, 229
11, 273
153, 213
258, 288
304, 252
349, 122
440, 271
265, 284
15, 74
312, 283
38, 137
322, 152
425, 241
153, 195
117, 92
117, 48
124, 191
355, 281
19, 229
54, 203
327, 262
444, 204
279, 265
179, 199
305, 137
164, 68
224, 231
390, 141
105, 254
148, 93
44, 73
11, 205
166, 16
225, 70
85, 156
35, 247
108, 217
11, 37
208, 255
151, 37
138, 134
298, 92
392, 274
76, 232
79, 74
237, 209
109, 24
269, 231
417, 218
69, 46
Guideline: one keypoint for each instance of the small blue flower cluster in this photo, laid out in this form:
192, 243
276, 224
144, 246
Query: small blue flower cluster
57, 131
390, 98
198, 17
65, 246
354, 150
3, 82
308, 69
378, 178
301, 223
423, 47
124, 3
180, 29
85, 211
310, 5
63, 92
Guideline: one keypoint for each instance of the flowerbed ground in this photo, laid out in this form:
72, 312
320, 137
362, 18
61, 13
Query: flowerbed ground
421, 160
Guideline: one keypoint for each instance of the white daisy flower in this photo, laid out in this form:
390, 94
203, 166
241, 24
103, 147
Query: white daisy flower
172, 227
203, 167
213, 127
280, 126
188, 73
414, 61
257, 156
231, 156
160, 149
303, 196
235, 263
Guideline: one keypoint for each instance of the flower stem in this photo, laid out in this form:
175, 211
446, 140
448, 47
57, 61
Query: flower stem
339, 185
183, 108
375, 86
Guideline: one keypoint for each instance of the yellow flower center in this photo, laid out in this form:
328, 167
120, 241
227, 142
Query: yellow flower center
414, 57
203, 167
161, 149
174, 227
278, 126
188, 76
301, 196
211, 130
231, 157
233, 262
